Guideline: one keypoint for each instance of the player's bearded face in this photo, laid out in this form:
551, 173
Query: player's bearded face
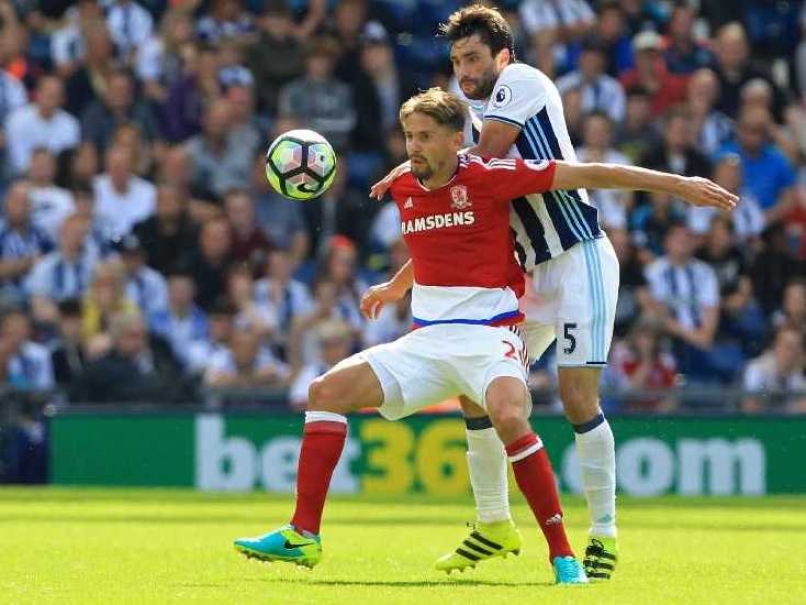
481, 86
428, 145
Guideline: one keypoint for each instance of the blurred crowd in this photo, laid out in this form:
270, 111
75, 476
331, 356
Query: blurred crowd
143, 256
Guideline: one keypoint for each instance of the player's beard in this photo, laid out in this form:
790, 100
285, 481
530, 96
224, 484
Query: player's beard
483, 86
422, 171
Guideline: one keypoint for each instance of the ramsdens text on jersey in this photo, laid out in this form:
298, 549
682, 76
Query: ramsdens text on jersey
438, 221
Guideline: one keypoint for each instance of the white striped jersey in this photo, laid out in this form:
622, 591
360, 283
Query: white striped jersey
543, 225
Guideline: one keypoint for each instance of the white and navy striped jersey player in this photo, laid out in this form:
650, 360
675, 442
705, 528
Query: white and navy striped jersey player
557, 234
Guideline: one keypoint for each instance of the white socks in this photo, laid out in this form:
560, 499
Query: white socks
487, 461
596, 450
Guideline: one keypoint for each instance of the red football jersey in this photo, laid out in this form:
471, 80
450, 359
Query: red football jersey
459, 239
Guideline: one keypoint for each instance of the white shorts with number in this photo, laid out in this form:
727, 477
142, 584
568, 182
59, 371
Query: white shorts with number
433, 363
578, 292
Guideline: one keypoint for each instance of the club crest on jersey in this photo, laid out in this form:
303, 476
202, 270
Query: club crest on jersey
459, 197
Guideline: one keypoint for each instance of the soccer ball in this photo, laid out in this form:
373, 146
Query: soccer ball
300, 164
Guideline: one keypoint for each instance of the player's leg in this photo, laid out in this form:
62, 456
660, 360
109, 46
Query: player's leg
349, 386
493, 372
494, 533
585, 328
507, 401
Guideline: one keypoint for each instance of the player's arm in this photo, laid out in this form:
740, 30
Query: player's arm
695, 190
496, 139
390, 291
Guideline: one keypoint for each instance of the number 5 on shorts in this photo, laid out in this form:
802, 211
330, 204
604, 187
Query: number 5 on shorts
570, 339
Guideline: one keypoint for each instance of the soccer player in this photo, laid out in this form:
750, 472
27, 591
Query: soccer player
557, 238
455, 217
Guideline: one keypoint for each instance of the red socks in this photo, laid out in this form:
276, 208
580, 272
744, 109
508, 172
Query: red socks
322, 444
532, 468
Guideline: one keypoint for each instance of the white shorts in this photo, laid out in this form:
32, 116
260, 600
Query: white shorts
578, 292
436, 362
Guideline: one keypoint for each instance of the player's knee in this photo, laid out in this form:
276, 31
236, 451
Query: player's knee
323, 394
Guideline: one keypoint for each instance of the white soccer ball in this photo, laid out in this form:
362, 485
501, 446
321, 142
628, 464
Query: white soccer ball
300, 164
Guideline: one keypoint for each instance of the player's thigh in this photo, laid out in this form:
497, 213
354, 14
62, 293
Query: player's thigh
471, 409
586, 310
350, 385
411, 372
487, 354
537, 335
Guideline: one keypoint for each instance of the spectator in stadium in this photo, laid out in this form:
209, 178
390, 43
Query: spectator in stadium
211, 261
131, 26
759, 93
88, 83
67, 352
195, 89
183, 322
340, 267
378, 90
247, 129
685, 54
67, 44
641, 364
50, 204
22, 244
226, 21
41, 124
574, 116
777, 378
249, 243
734, 69
638, 134
335, 342
665, 88
551, 26
138, 369
129, 137
740, 315
793, 309
281, 296
768, 174
245, 364
122, 198
249, 315
13, 95
611, 29
220, 325
712, 128
318, 99
651, 221
80, 166
685, 293
283, 223
349, 22
26, 364
117, 106
774, 267
600, 92
218, 163
158, 60
145, 286
633, 299
62, 274
100, 233
747, 218
597, 146
678, 154
275, 39
169, 235
105, 298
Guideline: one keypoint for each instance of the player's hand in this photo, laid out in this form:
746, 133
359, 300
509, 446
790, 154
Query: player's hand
377, 297
379, 189
704, 192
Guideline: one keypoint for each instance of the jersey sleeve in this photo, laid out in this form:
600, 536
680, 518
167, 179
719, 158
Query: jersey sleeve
511, 178
516, 97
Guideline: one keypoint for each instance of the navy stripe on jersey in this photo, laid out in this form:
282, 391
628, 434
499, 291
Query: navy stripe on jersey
533, 228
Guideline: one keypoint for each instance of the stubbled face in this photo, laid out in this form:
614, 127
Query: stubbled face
429, 145
475, 67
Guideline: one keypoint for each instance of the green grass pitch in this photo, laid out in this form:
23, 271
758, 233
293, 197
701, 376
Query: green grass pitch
60, 545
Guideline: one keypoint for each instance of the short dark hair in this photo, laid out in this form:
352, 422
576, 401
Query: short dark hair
488, 23
445, 108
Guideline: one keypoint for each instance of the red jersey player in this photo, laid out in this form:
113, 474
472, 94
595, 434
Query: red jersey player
455, 217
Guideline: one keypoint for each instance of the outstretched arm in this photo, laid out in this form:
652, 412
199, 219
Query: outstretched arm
391, 291
695, 190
